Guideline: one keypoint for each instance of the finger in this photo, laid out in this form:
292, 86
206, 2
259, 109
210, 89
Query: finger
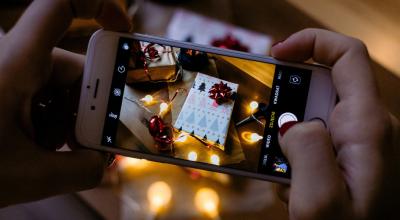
316, 177
352, 74
45, 21
53, 107
77, 170
67, 72
110, 14
67, 68
50, 173
50, 117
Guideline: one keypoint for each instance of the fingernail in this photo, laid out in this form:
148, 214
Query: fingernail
285, 127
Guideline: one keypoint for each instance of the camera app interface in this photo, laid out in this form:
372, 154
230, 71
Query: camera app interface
202, 107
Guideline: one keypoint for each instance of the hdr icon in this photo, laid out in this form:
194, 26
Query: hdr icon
112, 115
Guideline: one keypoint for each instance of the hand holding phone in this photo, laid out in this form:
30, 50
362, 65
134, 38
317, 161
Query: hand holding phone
29, 63
352, 172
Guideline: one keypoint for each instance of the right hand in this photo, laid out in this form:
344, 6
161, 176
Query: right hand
353, 171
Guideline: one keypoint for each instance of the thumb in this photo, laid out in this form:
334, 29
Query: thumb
316, 180
45, 21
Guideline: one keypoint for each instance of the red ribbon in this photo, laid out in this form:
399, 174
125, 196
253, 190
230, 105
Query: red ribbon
230, 42
152, 52
153, 55
161, 133
220, 92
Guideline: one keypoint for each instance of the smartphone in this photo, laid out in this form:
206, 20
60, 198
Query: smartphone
196, 106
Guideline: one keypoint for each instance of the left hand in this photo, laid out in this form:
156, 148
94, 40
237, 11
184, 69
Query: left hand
28, 63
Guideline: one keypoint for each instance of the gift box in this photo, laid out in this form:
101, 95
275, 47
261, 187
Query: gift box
192, 59
152, 62
202, 116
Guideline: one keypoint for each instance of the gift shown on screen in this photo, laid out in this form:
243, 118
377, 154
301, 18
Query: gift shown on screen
203, 116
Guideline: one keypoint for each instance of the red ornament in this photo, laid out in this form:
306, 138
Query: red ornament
230, 42
161, 133
156, 125
153, 55
220, 92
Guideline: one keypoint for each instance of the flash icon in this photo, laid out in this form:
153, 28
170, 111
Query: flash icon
125, 46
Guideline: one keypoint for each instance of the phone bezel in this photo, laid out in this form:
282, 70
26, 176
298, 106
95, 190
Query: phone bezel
98, 74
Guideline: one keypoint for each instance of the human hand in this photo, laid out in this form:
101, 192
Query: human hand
28, 63
351, 172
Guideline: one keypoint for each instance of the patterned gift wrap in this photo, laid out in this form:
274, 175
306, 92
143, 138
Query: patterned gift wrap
201, 116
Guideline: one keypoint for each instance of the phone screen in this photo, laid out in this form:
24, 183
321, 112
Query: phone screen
202, 107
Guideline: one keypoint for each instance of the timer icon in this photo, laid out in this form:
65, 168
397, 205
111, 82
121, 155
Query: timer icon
295, 79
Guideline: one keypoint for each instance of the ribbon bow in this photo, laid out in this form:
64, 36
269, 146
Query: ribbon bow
220, 92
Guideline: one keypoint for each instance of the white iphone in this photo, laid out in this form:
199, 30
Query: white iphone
196, 106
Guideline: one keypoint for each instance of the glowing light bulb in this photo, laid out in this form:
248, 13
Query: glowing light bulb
255, 137
148, 99
214, 159
251, 137
253, 105
163, 107
159, 195
192, 156
206, 201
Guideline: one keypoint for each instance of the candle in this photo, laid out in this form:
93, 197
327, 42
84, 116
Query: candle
206, 201
159, 195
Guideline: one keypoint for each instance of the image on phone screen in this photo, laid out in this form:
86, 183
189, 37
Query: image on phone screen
202, 107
